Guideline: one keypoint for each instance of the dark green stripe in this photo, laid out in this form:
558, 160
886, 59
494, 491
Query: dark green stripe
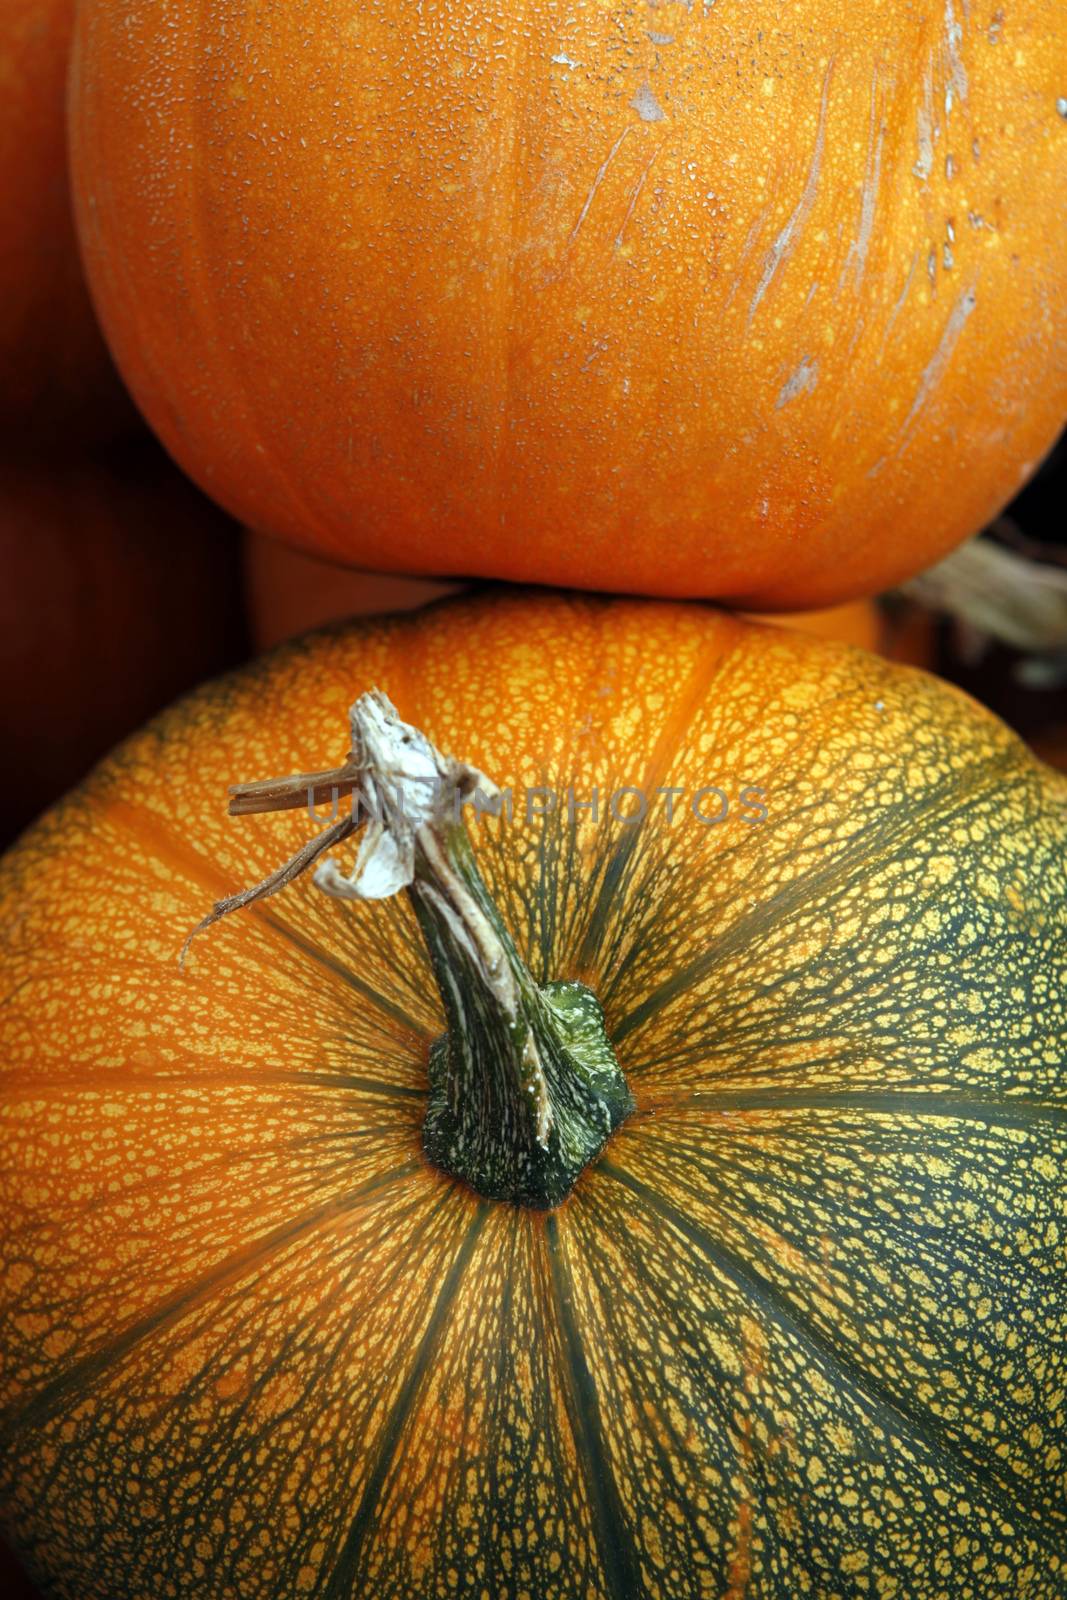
900, 826
321, 959
613, 878
894, 1414
165, 1082
614, 1536
80, 1375
1000, 1113
341, 1583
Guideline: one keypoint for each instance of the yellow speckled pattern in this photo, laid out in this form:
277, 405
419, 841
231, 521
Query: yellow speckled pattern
764, 299
800, 1331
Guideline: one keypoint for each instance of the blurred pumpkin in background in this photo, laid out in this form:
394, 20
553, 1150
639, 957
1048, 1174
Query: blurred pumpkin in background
55, 372
721, 301
289, 592
859, 623
121, 588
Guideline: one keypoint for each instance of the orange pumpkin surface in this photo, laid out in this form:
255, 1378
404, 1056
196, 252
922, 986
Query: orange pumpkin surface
799, 1330
734, 301
119, 588
1051, 746
54, 365
289, 592
858, 623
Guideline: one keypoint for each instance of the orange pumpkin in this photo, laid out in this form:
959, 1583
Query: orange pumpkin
1051, 746
120, 589
288, 592
54, 366
729, 301
859, 623
799, 1330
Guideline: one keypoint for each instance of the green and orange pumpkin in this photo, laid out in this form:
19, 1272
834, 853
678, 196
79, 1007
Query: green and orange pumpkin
796, 1330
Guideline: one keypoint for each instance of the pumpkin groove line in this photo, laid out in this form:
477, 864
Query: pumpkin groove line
506, 299
20, 1083
708, 666
618, 1556
340, 1585
85, 1371
323, 1371
380, 1003
41, 1230
727, 1180
546, 887
994, 1113
902, 823
206, 289
637, 939
555, 899
617, 967
150, 831
893, 1416
604, 1223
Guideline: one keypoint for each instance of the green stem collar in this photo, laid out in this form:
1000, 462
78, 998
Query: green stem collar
525, 1089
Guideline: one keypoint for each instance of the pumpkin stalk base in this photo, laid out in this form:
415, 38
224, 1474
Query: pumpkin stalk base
531, 1171
525, 1089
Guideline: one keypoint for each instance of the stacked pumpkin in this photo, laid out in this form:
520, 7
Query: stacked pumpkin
657, 1192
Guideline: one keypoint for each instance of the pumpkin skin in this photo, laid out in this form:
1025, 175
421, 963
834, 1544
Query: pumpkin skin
859, 623
799, 1332
54, 364
288, 592
121, 589
720, 303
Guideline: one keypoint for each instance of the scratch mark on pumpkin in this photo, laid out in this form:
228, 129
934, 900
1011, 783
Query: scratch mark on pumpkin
928, 131
901, 299
635, 196
598, 180
740, 1571
786, 241
935, 369
804, 379
856, 261
746, 250
957, 73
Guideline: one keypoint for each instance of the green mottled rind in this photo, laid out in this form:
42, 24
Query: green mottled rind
501, 1158
481, 1117
800, 1333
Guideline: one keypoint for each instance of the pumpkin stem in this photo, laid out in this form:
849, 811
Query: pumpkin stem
525, 1089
